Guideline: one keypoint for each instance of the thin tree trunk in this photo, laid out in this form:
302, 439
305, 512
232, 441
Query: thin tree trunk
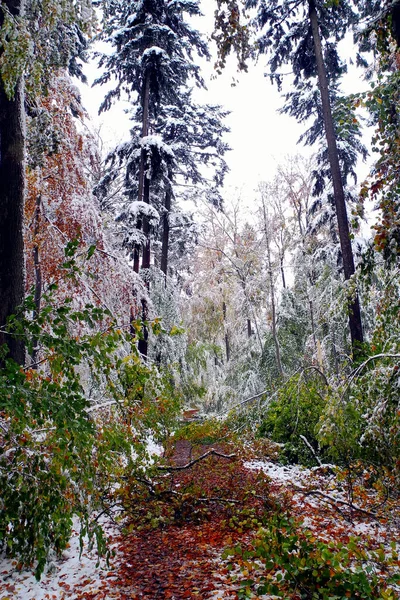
310, 303
282, 271
146, 230
143, 194
166, 227
272, 287
144, 182
143, 343
340, 203
227, 343
249, 328
12, 192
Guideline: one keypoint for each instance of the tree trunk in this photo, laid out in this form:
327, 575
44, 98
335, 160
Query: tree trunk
166, 227
143, 344
249, 332
146, 256
144, 182
144, 196
143, 193
227, 343
281, 258
12, 192
272, 287
340, 203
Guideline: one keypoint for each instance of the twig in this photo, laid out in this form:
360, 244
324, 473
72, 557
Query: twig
307, 443
95, 407
336, 501
196, 460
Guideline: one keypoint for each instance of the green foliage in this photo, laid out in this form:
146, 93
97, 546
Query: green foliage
60, 455
49, 440
151, 401
210, 431
361, 419
48, 36
289, 562
296, 411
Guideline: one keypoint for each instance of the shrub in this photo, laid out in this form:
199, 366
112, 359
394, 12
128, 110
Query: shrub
60, 456
296, 412
287, 561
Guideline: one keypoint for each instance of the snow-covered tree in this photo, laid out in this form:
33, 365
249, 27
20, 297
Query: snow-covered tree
35, 38
152, 62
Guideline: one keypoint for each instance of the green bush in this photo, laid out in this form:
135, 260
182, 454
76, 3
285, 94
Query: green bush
296, 412
60, 456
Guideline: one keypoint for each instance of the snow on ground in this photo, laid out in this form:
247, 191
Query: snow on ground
68, 572
283, 473
61, 575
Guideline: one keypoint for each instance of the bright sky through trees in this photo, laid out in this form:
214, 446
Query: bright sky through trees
260, 137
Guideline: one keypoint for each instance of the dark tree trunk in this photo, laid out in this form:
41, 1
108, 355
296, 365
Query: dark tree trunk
146, 229
143, 344
144, 182
144, 196
281, 258
227, 342
249, 331
166, 227
12, 191
340, 203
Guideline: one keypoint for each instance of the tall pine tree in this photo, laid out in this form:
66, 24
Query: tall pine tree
304, 34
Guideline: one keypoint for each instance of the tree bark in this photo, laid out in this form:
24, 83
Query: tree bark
355, 323
144, 196
281, 259
227, 342
144, 182
12, 193
166, 227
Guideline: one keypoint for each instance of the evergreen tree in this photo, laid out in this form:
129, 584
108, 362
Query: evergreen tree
151, 63
304, 34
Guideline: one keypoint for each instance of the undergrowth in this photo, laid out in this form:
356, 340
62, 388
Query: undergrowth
288, 561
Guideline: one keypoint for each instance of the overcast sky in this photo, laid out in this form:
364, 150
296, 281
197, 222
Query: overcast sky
260, 137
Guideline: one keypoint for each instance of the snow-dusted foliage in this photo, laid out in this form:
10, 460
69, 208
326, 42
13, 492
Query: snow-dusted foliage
172, 139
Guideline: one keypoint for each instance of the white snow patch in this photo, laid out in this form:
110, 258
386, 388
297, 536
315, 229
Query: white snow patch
61, 576
153, 448
287, 473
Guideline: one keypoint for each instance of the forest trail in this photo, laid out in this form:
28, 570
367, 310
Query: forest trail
181, 557
180, 560
183, 560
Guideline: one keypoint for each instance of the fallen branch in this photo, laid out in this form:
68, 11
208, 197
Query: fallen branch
307, 443
336, 501
196, 460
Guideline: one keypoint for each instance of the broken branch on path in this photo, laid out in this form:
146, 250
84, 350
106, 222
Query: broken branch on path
196, 460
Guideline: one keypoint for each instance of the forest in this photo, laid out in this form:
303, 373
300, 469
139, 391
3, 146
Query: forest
198, 400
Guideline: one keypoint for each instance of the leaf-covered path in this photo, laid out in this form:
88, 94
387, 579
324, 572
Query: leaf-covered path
182, 560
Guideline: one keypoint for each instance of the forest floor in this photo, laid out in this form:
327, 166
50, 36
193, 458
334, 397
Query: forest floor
214, 503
